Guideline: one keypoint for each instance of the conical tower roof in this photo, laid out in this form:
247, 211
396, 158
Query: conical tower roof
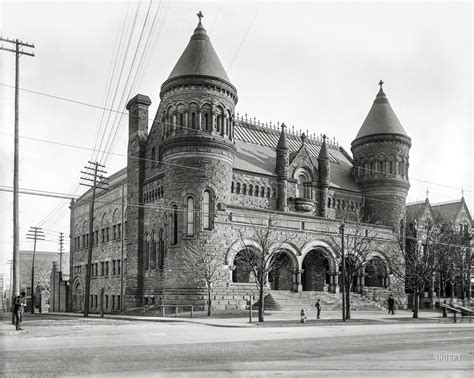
381, 119
199, 58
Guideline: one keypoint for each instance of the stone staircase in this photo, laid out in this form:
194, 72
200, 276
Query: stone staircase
280, 300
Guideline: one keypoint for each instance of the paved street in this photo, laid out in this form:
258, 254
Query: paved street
76, 346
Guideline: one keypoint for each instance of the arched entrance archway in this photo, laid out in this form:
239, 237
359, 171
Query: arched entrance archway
316, 267
78, 305
240, 273
281, 277
375, 272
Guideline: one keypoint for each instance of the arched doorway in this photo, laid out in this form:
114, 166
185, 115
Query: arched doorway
78, 298
315, 271
281, 277
241, 273
375, 272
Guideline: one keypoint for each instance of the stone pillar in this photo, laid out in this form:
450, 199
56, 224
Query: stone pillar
298, 285
199, 120
186, 123
362, 282
173, 124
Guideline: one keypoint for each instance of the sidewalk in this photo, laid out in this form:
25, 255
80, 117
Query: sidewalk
280, 318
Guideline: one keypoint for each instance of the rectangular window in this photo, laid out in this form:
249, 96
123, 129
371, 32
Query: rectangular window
95, 300
125, 266
106, 268
118, 266
119, 231
106, 301
107, 234
119, 304
115, 232
103, 235
113, 267
96, 237
113, 302
102, 268
91, 303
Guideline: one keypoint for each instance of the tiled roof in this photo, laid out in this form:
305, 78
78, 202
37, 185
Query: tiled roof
199, 58
415, 210
448, 210
256, 152
381, 119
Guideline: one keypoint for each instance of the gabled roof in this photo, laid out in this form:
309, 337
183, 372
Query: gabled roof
199, 58
415, 210
381, 119
449, 211
256, 152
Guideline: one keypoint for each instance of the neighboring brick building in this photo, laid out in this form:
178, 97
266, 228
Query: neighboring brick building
203, 172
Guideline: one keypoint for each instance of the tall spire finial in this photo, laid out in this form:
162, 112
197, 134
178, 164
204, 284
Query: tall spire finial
200, 15
380, 83
427, 193
462, 192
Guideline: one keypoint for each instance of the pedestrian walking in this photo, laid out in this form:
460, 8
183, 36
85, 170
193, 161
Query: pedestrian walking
391, 305
18, 305
318, 308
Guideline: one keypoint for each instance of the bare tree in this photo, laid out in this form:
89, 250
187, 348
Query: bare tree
205, 262
359, 241
262, 258
420, 258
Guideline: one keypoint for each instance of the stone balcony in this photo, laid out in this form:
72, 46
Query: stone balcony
304, 204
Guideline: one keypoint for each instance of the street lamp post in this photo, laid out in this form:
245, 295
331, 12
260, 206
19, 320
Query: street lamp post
341, 230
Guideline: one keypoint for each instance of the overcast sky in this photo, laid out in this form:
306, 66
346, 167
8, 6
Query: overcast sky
313, 65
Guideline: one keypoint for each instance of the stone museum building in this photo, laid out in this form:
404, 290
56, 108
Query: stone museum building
199, 171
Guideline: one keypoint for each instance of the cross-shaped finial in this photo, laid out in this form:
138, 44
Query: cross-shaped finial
380, 83
324, 137
200, 15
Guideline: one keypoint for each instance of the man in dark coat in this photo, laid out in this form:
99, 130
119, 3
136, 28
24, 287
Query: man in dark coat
18, 304
318, 308
391, 305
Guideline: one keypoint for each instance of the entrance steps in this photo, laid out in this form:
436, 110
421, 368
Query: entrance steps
280, 300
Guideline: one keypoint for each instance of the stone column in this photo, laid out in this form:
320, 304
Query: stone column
173, 124
199, 120
362, 281
299, 286
186, 123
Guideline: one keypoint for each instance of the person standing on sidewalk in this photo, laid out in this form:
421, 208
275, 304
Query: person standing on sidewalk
318, 308
391, 305
18, 305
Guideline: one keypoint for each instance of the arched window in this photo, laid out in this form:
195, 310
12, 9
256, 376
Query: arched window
190, 216
268, 193
174, 224
206, 210
244, 189
153, 250
153, 157
193, 120
303, 189
237, 188
161, 252
147, 251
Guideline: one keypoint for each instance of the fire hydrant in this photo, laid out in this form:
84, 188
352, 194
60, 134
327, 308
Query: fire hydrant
303, 315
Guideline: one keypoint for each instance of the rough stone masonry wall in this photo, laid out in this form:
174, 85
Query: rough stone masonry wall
107, 204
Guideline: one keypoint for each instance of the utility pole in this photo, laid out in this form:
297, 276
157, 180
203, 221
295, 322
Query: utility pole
16, 228
61, 244
341, 230
60, 274
93, 178
35, 233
